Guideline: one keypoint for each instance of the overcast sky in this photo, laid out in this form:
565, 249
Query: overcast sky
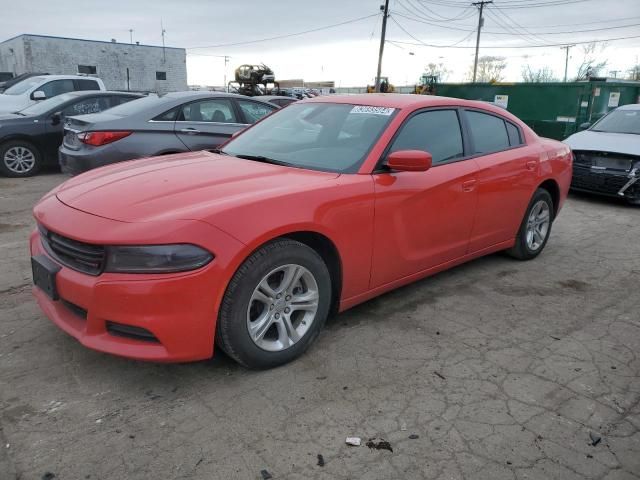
345, 53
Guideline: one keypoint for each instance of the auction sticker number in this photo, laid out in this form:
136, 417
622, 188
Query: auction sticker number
372, 110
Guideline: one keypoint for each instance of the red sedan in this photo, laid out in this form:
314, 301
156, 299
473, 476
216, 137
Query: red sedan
318, 207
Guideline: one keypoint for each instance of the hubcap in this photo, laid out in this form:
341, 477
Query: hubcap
282, 308
538, 225
19, 159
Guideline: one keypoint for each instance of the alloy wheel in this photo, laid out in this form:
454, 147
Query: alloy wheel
282, 307
19, 159
538, 225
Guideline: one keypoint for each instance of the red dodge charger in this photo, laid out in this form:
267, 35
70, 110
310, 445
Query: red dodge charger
318, 207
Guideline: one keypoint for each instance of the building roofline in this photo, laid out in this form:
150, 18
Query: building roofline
87, 40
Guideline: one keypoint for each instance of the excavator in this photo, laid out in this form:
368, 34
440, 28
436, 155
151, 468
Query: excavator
385, 86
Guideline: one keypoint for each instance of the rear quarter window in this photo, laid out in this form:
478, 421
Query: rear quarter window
513, 133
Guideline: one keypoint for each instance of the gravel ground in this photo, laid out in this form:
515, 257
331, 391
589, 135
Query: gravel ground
494, 370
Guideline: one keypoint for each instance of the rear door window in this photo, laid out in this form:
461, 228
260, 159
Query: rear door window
488, 131
254, 111
435, 131
87, 85
218, 110
57, 87
86, 106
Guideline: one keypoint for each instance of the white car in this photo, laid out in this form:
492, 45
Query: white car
607, 155
31, 90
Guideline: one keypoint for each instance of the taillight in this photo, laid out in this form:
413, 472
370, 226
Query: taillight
101, 138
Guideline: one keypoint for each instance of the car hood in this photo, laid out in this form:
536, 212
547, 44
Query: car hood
187, 186
12, 103
624, 143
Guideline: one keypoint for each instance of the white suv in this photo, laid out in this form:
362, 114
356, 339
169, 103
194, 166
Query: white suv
31, 90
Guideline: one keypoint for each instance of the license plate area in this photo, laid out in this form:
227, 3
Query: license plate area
44, 272
622, 164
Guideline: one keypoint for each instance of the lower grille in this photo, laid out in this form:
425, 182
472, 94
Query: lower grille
605, 182
130, 331
75, 309
80, 256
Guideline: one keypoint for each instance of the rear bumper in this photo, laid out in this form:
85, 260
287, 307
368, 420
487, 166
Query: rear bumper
178, 310
74, 163
605, 182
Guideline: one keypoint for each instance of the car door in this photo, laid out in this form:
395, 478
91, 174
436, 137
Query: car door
424, 219
507, 171
54, 127
253, 111
205, 124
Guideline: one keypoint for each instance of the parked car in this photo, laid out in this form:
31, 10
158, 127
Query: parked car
29, 139
34, 89
173, 123
296, 217
607, 155
278, 100
12, 81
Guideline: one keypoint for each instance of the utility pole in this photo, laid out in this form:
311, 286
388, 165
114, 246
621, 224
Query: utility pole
614, 73
480, 5
385, 10
131, 35
226, 62
164, 56
566, 59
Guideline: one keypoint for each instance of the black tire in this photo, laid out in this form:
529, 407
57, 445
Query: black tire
232, 332
9, 170
521, 250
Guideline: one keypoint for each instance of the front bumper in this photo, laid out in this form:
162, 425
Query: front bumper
603, 182
179, 310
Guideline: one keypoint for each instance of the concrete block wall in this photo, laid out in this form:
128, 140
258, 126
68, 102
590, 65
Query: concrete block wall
62, 56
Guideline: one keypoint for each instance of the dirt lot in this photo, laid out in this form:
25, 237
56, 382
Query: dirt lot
496, 369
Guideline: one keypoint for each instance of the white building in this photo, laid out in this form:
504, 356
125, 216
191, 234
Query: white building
122, 66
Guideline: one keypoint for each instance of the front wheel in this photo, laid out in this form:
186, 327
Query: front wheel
535, 228
275, 305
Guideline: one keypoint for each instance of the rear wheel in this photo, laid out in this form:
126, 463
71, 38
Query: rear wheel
535, 228
275, 305
19, 158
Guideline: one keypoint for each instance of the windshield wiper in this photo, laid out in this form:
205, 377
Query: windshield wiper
261, 158
18, 113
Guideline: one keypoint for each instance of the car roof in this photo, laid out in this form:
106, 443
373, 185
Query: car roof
267, 98
631, 106
197, 94
65, 77
407, 101
93, 93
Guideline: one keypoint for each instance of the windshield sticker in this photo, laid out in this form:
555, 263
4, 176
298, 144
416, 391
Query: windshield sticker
372, 110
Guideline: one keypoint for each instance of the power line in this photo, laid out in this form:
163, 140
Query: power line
287, 35
519, 46
420, 42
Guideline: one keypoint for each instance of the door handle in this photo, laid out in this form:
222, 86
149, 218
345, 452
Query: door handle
190, 131
532, 165
468, 186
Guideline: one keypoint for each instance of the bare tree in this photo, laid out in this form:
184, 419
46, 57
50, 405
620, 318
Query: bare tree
490, 69
590, 66
634, 73
544, 74
438, 70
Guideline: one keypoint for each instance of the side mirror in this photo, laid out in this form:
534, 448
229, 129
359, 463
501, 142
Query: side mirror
585, 125
56, 118
38, 95
409, 161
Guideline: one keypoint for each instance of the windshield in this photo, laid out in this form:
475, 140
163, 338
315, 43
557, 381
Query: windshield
330, 137
21, 87
44, 106
619, 121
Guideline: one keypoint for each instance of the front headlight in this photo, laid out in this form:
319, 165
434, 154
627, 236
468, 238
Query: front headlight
156, 258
